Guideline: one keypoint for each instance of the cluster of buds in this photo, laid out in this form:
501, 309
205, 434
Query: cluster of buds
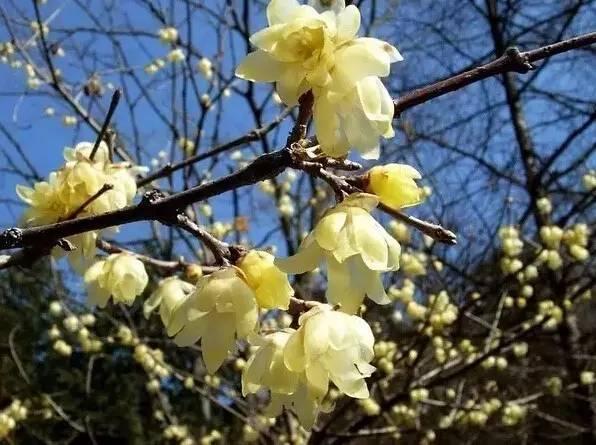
11, 416
512, 247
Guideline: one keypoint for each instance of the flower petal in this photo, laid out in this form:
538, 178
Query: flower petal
217, 341
307, 258
259, 66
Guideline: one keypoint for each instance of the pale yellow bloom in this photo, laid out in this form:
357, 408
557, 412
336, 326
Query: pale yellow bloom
120, 275
266, 367
395, 185
168, 35
205, 67
176, 55
270, 284
332, 346
170, 294
356, 249
73, 185
303, 49
220, 309
357, 118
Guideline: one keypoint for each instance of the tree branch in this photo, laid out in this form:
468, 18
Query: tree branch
512, 61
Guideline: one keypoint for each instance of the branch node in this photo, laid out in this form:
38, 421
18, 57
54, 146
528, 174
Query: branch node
151, 197
520, 61
11, 238
65, 245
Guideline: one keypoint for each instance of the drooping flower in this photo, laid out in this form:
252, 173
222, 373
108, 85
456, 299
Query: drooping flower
304, 49
395, 185
357, 119
270, 284
331, 346
169, 295
356, 249
266, 368
120, 275
220, 309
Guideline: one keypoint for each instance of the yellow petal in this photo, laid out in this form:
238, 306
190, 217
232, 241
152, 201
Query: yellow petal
340, 289
348, 23
217, 340
327, 229
259, 66
294, 357
307, 258
281, 11
317, 379
291, 84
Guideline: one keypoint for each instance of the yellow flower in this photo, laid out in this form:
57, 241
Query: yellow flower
356, 249
270, 284
120, 275
332, 346
301, 401
170, 294
75, 184
357, 118
266, 367
395, 185
205, 67
44, 205
303, 49
220, 309
168, 35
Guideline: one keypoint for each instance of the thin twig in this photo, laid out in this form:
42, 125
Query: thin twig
89, 200
106, 123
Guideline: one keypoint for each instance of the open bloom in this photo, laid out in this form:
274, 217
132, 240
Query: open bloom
266, 368
304, 49
72, 191
332, 346
220, 309
395, 185
356, 249
170, 294
120, 275
270, 284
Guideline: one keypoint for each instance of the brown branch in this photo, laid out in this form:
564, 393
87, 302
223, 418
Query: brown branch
164, 265
435, 231
512, 61
113, 104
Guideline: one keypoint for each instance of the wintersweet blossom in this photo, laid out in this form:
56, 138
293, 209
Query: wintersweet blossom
220, 309
205, 67
68, 192
395, 185
266, 367
270, 284
316, 48
168, 35
169, 295
120, 275
332, 346
356, 249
